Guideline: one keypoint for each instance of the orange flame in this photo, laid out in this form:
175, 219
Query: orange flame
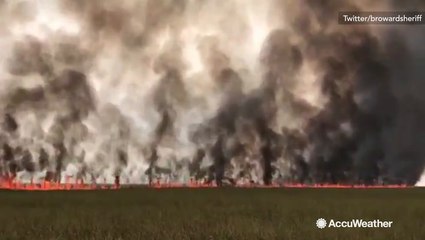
11, 183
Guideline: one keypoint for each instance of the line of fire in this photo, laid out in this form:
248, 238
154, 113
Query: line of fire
10, 182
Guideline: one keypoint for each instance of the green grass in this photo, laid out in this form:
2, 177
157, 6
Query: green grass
171, 214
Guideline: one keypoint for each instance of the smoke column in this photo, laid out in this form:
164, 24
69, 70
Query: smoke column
244, 90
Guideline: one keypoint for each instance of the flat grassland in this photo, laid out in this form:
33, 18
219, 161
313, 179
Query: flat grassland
224, 213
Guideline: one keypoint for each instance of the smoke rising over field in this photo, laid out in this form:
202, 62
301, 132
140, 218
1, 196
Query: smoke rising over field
261, 91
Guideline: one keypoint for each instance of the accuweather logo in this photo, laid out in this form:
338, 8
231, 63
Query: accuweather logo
321, 223
353, 223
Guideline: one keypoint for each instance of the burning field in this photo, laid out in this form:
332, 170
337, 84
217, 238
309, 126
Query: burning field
235, 105
240, 93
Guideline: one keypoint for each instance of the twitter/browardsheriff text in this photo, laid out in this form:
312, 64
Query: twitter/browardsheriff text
381, 17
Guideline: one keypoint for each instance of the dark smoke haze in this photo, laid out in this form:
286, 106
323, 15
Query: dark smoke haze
261, 91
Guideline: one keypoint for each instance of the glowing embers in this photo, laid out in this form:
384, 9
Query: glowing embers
11, 183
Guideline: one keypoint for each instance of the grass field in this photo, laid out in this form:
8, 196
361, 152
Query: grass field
226, 213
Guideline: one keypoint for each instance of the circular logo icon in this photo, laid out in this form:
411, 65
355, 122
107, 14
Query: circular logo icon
321, 223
